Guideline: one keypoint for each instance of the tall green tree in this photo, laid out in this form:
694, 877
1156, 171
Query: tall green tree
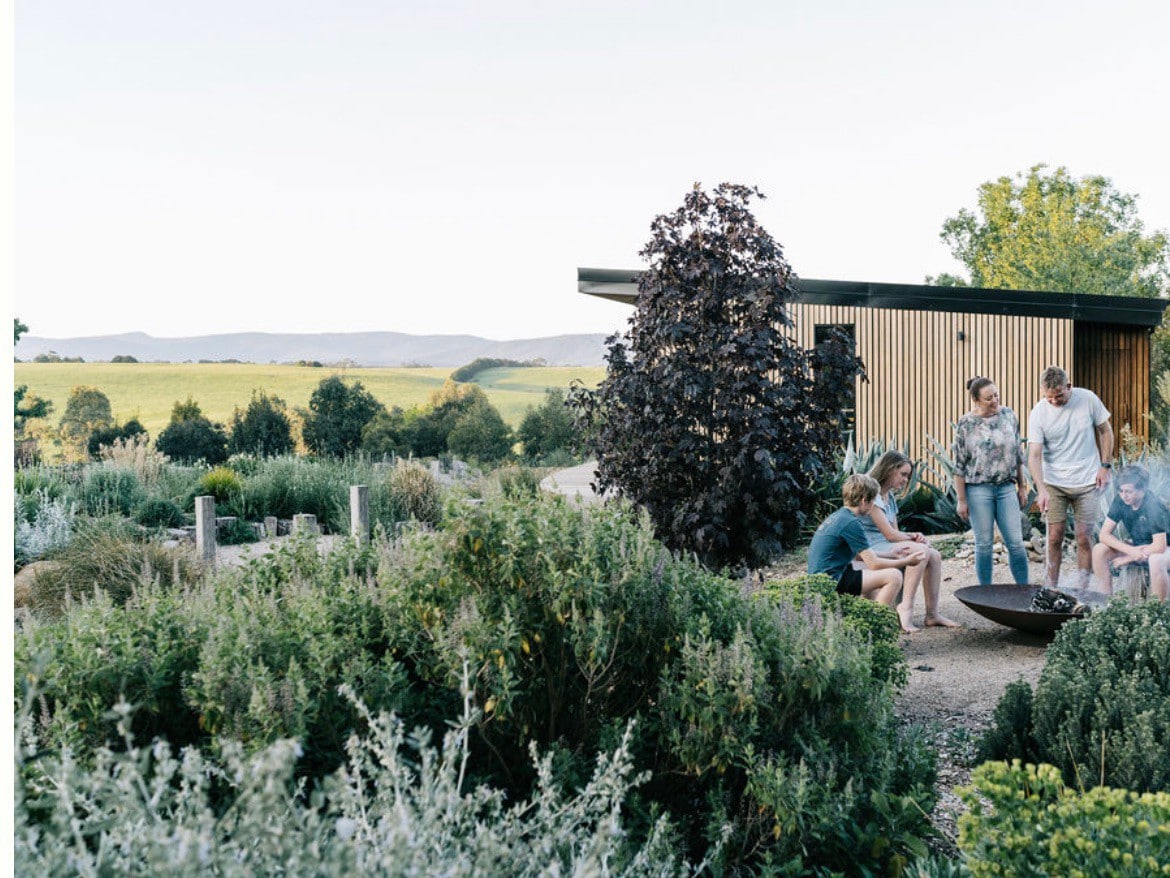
263, 428
711, 416
26, 407
87, 410
338, 412
192, 437
1046, 230
548, 427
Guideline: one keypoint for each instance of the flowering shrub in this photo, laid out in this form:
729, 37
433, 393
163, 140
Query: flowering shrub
1023, 820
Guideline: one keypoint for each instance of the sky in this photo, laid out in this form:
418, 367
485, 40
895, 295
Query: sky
442, 167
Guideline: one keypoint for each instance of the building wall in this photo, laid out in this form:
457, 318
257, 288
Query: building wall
1114, 362
918, 366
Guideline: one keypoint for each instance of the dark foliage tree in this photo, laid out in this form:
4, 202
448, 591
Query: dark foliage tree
427, 432
480, 434
547, 428
190, 437
106, 436
263, 428
337, 414
710, 415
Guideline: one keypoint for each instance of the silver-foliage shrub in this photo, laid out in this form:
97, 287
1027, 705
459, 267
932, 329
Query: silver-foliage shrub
398, 806
49, 528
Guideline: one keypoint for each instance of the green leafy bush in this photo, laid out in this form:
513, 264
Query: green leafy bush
757, 714
1023, 820
221, 483
1011, 735
236, 532
761, 716
414, 493
109, 490
1102, 704
873, 621
159, 512
1101, 709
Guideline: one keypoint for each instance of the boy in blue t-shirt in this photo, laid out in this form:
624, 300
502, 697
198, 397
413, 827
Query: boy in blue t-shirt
840, 538
1146, 520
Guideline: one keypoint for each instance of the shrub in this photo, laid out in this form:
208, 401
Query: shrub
762, 716
159, 512
106, 436
876, 623
389, 811
756, 714
1011, 735
1102, 704
1023, 820
221, 483
286, 486
106, 554
414, 493
136, 453
109, 490
45, 528
517, 481
236, 532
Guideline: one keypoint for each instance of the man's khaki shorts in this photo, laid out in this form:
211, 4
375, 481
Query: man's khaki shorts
1083, 501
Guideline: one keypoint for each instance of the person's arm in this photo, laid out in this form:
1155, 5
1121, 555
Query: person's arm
1108, 538
1036, 468
1156, 547
891, 533
875, 562
961, 497
1104, 436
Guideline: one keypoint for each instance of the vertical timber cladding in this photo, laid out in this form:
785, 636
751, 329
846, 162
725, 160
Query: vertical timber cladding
1114, 362
918, 363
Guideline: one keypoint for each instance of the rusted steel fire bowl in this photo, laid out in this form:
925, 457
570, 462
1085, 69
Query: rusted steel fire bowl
1010, 605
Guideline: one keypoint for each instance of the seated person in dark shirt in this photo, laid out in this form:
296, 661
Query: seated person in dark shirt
840, 538
1146, 520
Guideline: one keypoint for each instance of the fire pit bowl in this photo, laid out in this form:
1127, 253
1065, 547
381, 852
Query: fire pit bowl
1010, 605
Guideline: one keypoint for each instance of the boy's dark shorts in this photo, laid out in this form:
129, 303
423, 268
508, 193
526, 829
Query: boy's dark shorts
850, 581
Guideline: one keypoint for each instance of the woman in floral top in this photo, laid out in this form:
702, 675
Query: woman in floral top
989, 478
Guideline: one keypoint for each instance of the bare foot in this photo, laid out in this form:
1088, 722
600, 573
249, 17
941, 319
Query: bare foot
941, 622
906, 618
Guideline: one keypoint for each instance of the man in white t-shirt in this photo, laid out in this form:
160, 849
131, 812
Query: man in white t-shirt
1070, 454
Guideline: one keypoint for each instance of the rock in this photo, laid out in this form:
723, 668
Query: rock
25, 581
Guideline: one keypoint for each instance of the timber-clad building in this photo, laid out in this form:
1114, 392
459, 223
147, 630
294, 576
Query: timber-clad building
920, 344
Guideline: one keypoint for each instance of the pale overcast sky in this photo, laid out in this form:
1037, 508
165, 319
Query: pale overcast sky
185, 168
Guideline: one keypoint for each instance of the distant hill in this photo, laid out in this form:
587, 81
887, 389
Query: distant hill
361, 348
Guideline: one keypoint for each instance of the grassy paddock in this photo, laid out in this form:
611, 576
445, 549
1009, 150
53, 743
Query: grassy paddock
147, 391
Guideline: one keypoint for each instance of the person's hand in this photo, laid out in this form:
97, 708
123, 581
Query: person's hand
1103, 476
961, 509
1022, 493
1042, 500
916, 535
1122, 561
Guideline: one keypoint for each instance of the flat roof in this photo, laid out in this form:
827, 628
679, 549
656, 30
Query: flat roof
621, 285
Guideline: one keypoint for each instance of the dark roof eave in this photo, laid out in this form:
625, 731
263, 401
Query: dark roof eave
621, 285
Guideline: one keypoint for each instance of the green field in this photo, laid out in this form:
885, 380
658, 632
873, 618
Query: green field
147, 391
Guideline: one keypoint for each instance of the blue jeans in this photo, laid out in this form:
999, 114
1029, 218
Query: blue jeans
987, 506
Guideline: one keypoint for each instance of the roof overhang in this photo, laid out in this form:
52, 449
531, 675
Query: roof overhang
621, 285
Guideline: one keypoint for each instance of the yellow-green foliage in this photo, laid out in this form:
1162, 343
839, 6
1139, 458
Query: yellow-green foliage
149, 390
1023, 820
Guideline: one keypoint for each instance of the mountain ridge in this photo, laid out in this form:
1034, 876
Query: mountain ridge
359, 348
